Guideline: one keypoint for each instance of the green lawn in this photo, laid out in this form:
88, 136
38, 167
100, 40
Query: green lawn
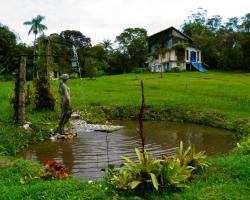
226, 178
213, 98
224, 93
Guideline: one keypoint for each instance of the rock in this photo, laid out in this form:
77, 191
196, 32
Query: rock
62, 137
75, 115
53, 138
26, 126
78, 123
84, 126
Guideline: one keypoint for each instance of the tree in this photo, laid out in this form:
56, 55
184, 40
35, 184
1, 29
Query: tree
223, 45
118, 63
36, 25
214, 23
246, 23
7, 48
129, 35
76, 38
232, 24
133, 42
62, 52
9, 51
107, 45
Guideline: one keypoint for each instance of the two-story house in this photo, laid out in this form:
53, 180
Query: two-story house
170, 49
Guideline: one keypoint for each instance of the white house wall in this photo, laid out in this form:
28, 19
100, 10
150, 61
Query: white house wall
180, 65
171, 58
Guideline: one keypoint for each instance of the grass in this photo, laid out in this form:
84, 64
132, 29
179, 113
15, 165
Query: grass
226, 178
214, 98
224, 93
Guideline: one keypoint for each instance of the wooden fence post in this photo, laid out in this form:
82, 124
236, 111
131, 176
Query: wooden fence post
21, 91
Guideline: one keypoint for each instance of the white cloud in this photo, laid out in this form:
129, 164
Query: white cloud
101, 19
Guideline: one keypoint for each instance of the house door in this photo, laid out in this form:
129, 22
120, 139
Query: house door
165, 67
193, 56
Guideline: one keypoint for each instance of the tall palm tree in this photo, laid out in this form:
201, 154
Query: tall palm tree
36, 26
107, 45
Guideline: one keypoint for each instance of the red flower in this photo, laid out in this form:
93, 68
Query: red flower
61, 172
51, 163
59, 166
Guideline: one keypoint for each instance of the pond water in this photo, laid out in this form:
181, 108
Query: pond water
89, 152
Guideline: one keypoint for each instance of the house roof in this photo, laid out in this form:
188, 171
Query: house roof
170, 29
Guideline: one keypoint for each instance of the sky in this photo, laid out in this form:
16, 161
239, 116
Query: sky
105, 19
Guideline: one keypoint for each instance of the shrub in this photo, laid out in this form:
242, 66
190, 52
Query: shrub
139, 175
154, 174
53, 170
139, 70
244, 146
190, 158
44, 98
175, 69
174, 174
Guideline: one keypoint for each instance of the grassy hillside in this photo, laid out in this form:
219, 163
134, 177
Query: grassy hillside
214, 98
225, 93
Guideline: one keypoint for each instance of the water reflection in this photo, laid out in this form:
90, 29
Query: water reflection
87, 154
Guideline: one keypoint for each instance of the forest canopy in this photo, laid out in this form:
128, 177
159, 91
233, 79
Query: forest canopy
225, 45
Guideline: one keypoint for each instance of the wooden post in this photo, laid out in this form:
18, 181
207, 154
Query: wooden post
48, 60
21, 91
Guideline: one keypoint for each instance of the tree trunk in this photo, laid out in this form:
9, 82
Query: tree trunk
21, 91
161, 66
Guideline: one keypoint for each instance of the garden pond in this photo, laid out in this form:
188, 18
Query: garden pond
86, 155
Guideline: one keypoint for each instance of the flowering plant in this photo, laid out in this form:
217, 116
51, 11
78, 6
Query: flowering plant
53, 170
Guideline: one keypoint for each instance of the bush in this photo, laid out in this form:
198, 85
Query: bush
53, 170
175, 69
139, 70
244, 146
157, 174
44, 97
137, 175
191, 158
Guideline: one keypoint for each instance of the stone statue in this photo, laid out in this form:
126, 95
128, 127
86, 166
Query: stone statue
66, 109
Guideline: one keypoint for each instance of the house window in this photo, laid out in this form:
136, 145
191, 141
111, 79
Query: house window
169, 43
198, 56
187, 55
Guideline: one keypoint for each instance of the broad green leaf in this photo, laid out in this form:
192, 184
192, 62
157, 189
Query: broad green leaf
154, 180
158, 161
187, 151
128, 160
134, 184
139, 155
